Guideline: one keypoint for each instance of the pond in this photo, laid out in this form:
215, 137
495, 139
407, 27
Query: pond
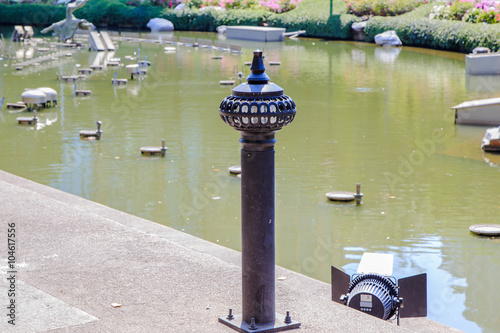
365, 114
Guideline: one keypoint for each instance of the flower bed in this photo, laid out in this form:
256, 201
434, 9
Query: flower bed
313, 16
414, 28
472, 11
276, 6
382, 7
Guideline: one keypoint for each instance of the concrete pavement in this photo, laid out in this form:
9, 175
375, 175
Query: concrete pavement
84, 267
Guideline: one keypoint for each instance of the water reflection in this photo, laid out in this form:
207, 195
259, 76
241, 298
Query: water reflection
483, 83
20, 54
358, 56
387, 55
46, 119
29, 53
98, 58
493, 159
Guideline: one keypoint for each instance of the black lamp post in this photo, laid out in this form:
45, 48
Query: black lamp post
258, 109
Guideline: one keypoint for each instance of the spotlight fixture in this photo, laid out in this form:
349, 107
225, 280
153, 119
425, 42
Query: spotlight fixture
375, 291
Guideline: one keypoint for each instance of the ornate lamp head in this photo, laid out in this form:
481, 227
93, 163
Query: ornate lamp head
257, 105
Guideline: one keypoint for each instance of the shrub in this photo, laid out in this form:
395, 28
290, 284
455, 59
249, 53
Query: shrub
117, 13
279, 6
208, 20
96, 11
473, 11
382, 7
413, 28
313, 16
33, 14
416, 29
460, 8
241, 17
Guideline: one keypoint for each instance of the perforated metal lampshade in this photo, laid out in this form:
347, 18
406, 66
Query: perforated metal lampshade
257, 105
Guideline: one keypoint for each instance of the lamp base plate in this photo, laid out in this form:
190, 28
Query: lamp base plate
279, 325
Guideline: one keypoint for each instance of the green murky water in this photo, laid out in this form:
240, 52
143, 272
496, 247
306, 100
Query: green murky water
380, 117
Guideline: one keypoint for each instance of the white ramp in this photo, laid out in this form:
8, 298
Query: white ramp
107, 41
95, 41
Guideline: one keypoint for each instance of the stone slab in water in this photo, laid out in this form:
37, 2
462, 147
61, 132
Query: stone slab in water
340, 196
485, 229
69, 78
82, 92
235, 169
86, 133
119, 81
15, 106
151, 150
260, 34
132, 69
85, 70
26, 120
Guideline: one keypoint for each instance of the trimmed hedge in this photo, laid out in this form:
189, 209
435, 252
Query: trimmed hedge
116, 13
313, 16
209, 20
31, 14
416, 29
99, 12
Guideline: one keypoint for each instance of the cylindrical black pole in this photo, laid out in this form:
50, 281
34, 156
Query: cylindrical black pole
257, 227
257, 109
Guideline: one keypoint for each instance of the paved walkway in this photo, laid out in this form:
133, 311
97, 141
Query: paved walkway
75, 259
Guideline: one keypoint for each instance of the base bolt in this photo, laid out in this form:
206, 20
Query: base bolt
253, 326
230, 315
288, 319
